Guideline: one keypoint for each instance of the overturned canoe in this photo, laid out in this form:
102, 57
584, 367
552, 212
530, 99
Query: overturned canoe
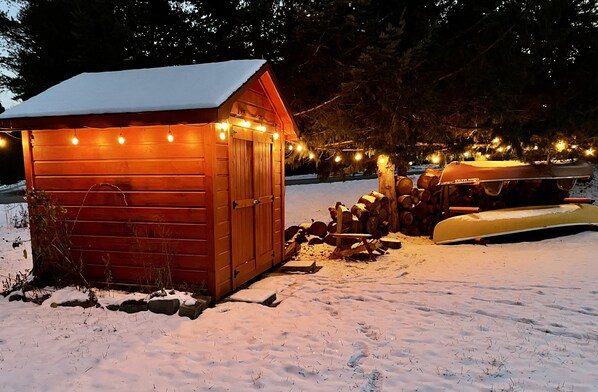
513, 220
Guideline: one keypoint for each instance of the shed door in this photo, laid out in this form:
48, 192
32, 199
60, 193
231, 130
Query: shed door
252, 198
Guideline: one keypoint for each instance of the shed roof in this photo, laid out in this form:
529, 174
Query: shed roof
140, 96
471, 172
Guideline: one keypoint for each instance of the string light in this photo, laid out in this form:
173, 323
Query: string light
561, 145
535, 147
500, 149
222, 126
299, 147
435, 159
222, 135
496, 140
121, 138
75, 139
245, 124
487, 156
337, 158
290, 147
2, 142
381, 160
466, 154
261, 128
358, 156
170, 137
275, 135
312, 155
589, 152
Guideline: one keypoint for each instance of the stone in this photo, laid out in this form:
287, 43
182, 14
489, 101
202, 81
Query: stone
391, 243
258, 296
191, 311
299, 266
164, 306
16, 297
113, 307
133, 306
83, 304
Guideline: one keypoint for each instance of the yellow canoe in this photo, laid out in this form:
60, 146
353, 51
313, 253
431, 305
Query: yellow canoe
513, 220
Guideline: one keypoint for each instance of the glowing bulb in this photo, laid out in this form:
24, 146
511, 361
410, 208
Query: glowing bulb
435, 159
535, 147
508, 148
311, 155
275, 135
590, 152
290, 147
74, 140
410, 163
170, 137
121, 139
261, 128
487, 156
466, 154
222, 136
2, 142
245, 124
496, 140
222, 126
500, 149
299, 147
560, 146
337, 158
381, 160
574, 146
358, 156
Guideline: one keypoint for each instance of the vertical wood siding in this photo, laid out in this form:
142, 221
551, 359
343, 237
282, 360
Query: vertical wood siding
137, 209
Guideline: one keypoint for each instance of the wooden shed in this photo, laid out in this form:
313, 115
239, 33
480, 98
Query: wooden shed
176, 170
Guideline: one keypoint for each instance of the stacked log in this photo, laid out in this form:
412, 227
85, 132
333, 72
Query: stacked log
419, 206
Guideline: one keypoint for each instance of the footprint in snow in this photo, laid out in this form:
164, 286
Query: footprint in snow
373, 383
362, 352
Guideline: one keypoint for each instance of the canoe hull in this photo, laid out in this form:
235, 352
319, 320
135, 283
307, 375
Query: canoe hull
513, 220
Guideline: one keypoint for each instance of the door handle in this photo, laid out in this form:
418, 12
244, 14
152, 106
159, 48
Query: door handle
256, 202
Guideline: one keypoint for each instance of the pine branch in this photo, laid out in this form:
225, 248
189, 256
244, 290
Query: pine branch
318, 107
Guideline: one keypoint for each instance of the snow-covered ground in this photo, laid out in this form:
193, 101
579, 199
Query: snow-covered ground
507, 317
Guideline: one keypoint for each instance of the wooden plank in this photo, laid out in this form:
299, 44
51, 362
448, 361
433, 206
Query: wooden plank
100, 197
124, 183
28, 159
109, 136
140, 229
125, 151
119, 167
124, 274
139, 244
142, 260
140, 214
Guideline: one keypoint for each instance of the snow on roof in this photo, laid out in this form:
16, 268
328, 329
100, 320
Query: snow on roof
197, 86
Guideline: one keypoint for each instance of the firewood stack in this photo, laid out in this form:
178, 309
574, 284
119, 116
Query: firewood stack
418, 206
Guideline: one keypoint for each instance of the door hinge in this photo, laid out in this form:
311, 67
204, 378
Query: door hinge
235, 204
236, 273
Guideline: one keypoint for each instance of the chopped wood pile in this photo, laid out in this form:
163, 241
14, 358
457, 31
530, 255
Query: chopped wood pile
418, 206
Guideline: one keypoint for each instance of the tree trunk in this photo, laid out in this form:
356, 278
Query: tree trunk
360, 211
318, 228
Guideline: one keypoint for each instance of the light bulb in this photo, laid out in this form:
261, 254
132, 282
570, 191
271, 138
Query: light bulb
435, 159
337, 158
261, 128
561, 145
590, 152
358, 156
275, 135
245, 124
222, 126
311, 155
299, 147
170, 137
75, 140
381, 160
290, 147
466, 154
222, 136
121, 139
2, 142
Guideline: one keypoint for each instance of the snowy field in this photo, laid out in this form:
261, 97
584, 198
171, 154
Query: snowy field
508, 317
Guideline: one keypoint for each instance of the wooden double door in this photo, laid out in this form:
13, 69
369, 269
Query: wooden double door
252, 191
